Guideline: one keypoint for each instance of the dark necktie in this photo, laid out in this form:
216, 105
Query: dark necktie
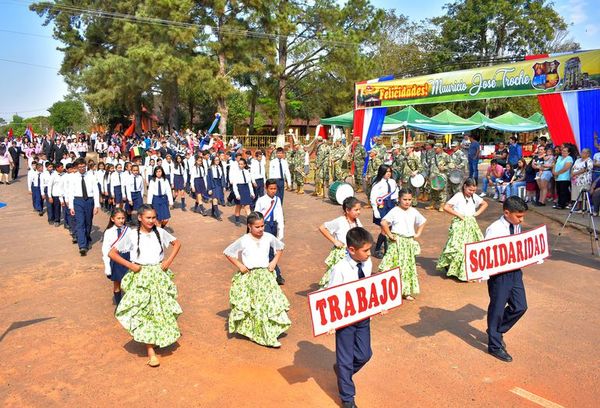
134, 183
119, 178
159, 189
84, 192
511, 228
39, 180
244, 175
272, 210
389, 187
259, 169
118, 232
280, 170
361, 274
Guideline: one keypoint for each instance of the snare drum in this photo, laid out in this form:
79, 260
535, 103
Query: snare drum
339, 191
455, 176
438, 182
417, 181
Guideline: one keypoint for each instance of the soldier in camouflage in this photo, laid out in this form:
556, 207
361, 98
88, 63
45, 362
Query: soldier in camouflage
298, 174
380, 148
411, 167
337, 154
359, 155
439, 167
460, 162
372, 168
322, 168
426, 159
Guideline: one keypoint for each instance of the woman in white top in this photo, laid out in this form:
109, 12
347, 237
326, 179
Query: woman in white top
243, 190
160, 196
116, 182
100, 179
581, 175
149, 308
383, 197
258, 305
464, 206
335, 231
402, 225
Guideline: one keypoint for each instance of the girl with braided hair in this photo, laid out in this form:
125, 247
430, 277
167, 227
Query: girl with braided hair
148, 310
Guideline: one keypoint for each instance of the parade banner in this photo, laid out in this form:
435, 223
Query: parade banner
560, 73
352, 302
505, 254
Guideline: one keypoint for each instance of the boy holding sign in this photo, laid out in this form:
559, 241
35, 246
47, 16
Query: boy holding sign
507, 292
352, 343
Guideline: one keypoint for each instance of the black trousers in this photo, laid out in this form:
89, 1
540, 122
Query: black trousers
563, 189
15, 170
507, 304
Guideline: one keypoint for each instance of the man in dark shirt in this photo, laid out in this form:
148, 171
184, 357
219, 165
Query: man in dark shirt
15, 153
474, 152
501, 154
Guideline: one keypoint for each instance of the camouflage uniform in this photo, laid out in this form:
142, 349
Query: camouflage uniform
298, 174
337, 154
372, 169
426, 160
460, 161
410, 164
398, 165
291, 158
358, 158
381, 151
439, 166
322, 168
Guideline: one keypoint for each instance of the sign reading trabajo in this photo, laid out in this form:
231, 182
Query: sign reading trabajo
505, 254
351, 302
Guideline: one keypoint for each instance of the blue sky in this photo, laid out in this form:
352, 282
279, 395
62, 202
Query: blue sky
30, 90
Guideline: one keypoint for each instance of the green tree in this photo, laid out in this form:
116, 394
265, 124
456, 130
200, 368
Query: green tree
67, 115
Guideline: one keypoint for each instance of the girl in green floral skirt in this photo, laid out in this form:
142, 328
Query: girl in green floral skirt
258, 305
149, 308
465, 206
335, 231
402, 225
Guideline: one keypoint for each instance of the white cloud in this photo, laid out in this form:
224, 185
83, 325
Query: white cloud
578, 12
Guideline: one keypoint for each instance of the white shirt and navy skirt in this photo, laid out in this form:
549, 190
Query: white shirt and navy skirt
115, 185
113, 270
179, 179
507, 292
216, 183
199, 182
161, 198
242, 187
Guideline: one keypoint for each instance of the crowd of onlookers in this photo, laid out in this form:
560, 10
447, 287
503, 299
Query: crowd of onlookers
553, 175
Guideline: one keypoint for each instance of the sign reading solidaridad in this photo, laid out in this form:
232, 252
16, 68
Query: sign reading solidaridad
351, 302
505, 254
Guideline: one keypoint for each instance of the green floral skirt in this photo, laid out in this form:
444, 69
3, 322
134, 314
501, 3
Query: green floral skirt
401, 253
258, 307
453, 257
336, 255
149, 308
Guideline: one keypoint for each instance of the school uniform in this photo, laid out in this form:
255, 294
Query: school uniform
34, 184
199, 182
242, 187
338, 228
383, 198
46, 176
56, 191
403, 251
113, 270
168, 170
508, 302
135, 191
257, 170
149, 310
216, 182
116, 189
83, 197
465, 231
161, 198
125, 179
69, 219
179, 177
258, 305
272, 211
280, 171
352, 343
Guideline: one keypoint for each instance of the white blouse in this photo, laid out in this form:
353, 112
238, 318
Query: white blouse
465, 206
403, 222
254, 252
151, 252
380, 190
165, 189
340, 226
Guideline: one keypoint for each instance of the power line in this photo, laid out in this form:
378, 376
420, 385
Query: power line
29, 64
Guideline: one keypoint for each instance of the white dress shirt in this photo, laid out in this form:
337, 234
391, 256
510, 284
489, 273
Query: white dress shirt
267, 206
254, 252
465, 206
151, 252
257, 169
346, 271
134, 184
500, 228
275, 172
197, 171
380, 190
73, 187
181, 171
56, 187
32, 178
241, 177
165, 188
340, 226
109, 240
404, 222
45, 180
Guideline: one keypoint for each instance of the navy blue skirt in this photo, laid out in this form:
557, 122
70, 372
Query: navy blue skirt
136, 198
178, 182
245, 198
388, 204
117, 194
161, 205
217, 191
109, 189
117, 271
200, 187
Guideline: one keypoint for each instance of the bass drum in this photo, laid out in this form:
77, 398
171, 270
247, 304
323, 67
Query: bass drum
339, 191
438, 182
417, 181
455, 176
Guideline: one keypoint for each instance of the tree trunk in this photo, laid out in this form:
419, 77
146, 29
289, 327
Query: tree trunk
222, 107
282, 51
137, 114
191, 111
252, 109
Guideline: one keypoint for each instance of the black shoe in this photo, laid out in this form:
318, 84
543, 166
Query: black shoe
73, 240
280, 280
40, 213
349, 404
183, 209
57, 224
238, 224
501, 354
502, 343
378, 255
83, 252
